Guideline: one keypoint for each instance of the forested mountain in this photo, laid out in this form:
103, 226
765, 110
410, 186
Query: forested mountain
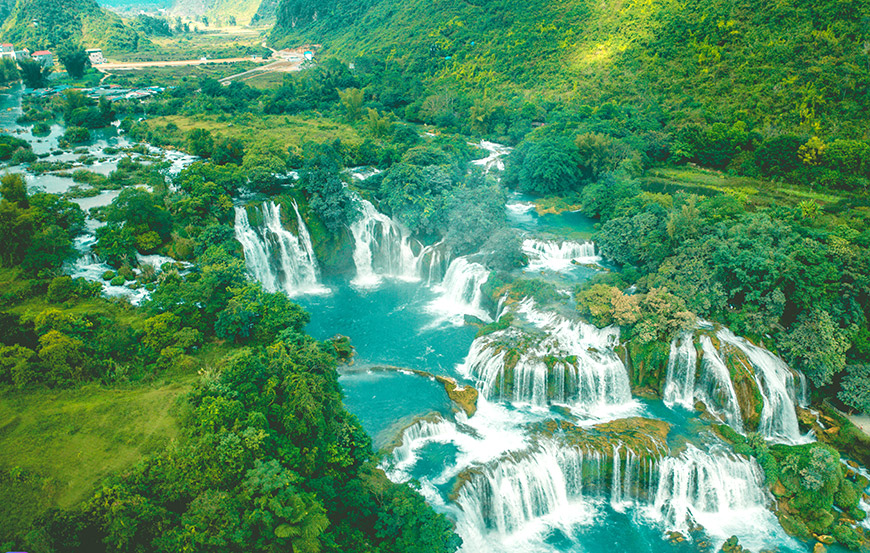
217, 10
47, 24
785, 65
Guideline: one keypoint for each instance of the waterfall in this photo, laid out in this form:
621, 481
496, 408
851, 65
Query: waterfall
558, 255
382, 248
563, 362
431, 261
710, 382
493, 160
776, 383
418, 434
680, 380
548, 482
274, 256
461, 291
715, 489
715, 387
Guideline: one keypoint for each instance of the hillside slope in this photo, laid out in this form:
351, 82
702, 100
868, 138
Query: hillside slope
217, 11
785, 64
48, 24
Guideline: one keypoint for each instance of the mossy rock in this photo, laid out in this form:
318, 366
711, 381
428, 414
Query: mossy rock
749, 396
643, 436
794, 526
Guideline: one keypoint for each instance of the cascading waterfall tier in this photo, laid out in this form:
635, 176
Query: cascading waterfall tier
776, 383
277, 258
551, 483
716, 489
707, 378
384, 248
558, 255
461, 291
556, 361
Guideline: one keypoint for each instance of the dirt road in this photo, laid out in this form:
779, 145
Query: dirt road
129, 66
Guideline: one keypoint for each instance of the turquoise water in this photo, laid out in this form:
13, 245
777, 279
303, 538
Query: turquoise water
387, 402
389, 325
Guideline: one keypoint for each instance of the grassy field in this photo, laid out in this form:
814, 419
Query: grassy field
266, 80
163, 75
282, 130
222, 43
708, 182
57, 445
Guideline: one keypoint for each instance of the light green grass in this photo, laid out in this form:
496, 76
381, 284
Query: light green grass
77, 437
282, 130
707, 181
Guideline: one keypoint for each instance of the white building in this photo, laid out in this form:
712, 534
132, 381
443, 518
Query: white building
96, 56
44, 57
7, 51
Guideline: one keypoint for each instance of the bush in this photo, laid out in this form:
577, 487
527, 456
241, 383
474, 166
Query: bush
61, 289
41, 129
22, 155
75, 135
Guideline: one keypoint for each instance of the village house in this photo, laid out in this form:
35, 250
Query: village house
44, 57
96, 56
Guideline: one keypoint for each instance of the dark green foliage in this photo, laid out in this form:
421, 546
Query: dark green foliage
200, 142
152, 26
8, 71
548, 166
33, 74
228, 150
76, 135
36, 231
75, 60
9, 145
52, 24
856, 388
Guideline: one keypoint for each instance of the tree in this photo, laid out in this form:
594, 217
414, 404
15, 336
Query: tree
548, 166
63, 357
33, 73
13, 188
278, 513
352, 100
49, 248
228, 150
856, 388
116, 245
200, 142
76, 61
817, 346
16, 232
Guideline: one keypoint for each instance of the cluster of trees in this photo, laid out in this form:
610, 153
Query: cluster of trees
267, 457
797, 273
36, 230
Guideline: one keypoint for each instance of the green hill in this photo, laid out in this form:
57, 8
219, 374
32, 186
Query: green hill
218, 11
784, 64
48, 24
